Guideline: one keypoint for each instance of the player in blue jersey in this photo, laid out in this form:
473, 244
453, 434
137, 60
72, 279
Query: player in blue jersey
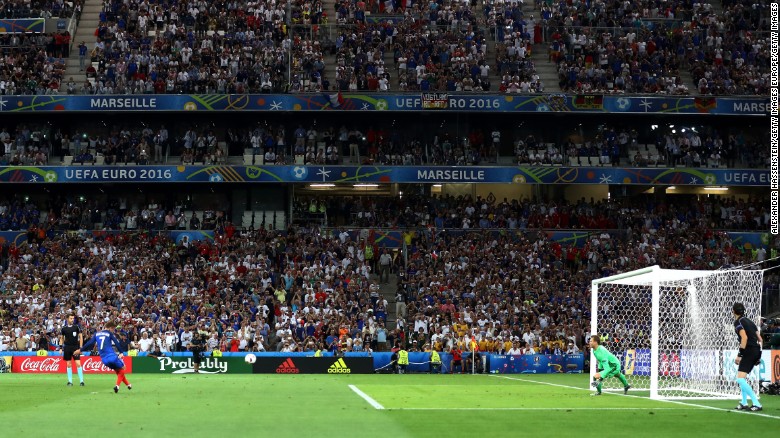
105, 341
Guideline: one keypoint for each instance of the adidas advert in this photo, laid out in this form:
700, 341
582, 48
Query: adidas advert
287, 367
339, 367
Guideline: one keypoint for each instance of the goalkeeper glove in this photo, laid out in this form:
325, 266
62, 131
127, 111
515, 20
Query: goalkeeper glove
741, 352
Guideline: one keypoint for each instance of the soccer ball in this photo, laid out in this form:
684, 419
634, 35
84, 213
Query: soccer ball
250, 358
299, 172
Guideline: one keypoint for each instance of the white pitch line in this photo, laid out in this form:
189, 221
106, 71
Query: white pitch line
758, 414
366, 397
539, 409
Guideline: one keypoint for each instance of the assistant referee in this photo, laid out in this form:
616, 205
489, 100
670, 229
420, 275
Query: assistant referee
71, 340
748, 357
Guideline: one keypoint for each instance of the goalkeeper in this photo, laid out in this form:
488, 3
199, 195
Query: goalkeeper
609, 365
749, 356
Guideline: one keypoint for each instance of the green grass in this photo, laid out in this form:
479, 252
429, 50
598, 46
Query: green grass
304, 406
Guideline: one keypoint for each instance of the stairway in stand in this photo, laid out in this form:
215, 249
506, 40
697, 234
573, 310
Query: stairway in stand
329, 32
85, 31
546, 69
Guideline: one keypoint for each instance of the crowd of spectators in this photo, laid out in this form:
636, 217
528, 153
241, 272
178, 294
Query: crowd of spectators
728, 53
27, 146
640, 47
32, 63
305, 289
626, 215
614, 46
328, 144
80, 214
440, 213
440, 47
14, 9
615, 147
307, 62
120, 144
250, 47
639, 61
190, 48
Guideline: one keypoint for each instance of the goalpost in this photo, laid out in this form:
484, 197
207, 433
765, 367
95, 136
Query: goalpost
673, 330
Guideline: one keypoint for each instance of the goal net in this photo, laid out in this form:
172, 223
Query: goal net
673, 330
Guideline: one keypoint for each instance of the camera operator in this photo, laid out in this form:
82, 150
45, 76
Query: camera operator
197, 346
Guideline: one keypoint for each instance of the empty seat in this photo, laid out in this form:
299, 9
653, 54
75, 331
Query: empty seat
258, 160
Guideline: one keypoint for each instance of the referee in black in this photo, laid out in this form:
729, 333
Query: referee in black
749, 356
71, 340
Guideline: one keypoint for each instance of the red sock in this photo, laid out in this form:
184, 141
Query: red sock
120, 378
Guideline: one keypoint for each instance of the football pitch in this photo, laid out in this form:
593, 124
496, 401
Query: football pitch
358, 405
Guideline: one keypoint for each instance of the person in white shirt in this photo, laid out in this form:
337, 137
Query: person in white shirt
259, 342
529, 337
170, 340
186, 339
571, 348
515, 350
5, 341
159, 345
145, 343
213, 342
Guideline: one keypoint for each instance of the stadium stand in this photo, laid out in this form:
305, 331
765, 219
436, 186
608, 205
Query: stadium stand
32, 63
501, 286
264, 284
673, 48
630, 144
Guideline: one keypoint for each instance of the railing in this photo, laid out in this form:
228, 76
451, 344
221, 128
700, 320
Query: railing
73, 22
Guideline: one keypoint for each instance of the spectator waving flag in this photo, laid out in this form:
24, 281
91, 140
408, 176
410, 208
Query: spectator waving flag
335, 99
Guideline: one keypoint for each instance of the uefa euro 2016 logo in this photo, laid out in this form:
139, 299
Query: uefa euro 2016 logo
630, 361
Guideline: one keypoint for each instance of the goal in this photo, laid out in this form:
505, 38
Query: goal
673, 330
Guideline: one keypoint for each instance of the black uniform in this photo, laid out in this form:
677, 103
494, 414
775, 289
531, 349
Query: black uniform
70, 334
752, 354
197, 346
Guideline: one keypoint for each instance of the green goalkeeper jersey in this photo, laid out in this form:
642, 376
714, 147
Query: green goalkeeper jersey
605, 358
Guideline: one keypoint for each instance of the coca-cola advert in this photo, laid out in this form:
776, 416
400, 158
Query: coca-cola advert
55, 364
